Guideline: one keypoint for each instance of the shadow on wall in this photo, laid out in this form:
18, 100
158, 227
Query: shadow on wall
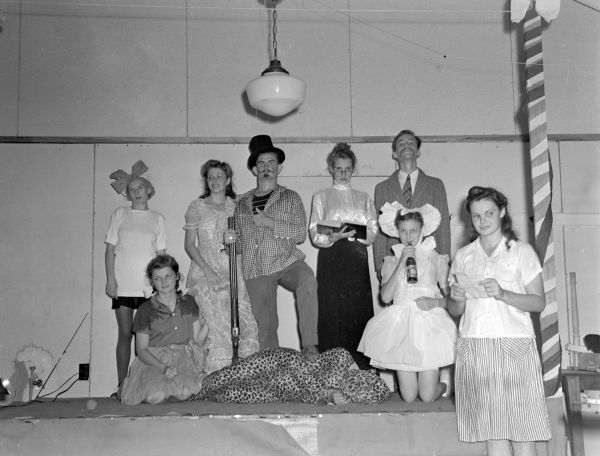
19, 381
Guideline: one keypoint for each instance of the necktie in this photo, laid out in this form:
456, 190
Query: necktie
407, 190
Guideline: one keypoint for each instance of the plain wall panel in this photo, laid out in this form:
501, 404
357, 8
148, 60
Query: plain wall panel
431, 71
580, 163
46, 202
175, 69
103, 71
9, 71
226, 52
571, 66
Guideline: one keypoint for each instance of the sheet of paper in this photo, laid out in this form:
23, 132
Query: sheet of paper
471, 285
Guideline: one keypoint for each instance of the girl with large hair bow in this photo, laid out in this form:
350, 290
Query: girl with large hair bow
415, 336
136, 234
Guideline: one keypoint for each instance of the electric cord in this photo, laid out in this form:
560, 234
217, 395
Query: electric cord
64, 391
64, 351
64, 383
39, 399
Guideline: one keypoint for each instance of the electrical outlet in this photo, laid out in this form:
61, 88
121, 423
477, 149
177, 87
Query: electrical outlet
84, 371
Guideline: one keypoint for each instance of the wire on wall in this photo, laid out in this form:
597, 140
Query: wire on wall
352, 14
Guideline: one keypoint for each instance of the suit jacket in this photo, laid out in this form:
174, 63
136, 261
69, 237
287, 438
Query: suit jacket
428, 190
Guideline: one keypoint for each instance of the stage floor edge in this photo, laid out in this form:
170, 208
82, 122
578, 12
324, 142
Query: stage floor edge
102, 426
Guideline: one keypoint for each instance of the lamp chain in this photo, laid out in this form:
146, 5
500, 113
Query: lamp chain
274, 30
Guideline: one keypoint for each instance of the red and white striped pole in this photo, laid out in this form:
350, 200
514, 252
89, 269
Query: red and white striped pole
541, 175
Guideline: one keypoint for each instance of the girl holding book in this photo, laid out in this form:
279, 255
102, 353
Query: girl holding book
344, 293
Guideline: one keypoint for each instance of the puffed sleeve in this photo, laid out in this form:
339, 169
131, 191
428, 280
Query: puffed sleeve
388, 267
442, 269
316, 216
529, 263
192, 216
372, 227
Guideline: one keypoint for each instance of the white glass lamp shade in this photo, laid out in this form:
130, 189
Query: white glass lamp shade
276, 93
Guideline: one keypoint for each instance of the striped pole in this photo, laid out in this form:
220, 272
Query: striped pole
541, 175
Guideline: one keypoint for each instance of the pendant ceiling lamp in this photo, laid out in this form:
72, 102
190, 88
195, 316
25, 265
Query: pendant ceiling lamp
275, 92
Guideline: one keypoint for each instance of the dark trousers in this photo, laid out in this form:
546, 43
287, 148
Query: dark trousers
299, 278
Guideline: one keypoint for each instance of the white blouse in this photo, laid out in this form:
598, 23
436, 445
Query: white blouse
342, 203
137, 235
514, 269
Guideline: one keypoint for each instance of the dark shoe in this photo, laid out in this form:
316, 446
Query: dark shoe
116, 394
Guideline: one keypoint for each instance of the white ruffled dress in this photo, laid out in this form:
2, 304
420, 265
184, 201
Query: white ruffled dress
404, 337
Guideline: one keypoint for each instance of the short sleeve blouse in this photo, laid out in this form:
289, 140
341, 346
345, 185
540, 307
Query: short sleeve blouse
514, 268
165, 327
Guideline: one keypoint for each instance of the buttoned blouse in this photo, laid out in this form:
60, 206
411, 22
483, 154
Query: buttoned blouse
165, 327
344, 204
514, 268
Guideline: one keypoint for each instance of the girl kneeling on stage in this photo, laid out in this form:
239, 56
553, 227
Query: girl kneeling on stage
170, 336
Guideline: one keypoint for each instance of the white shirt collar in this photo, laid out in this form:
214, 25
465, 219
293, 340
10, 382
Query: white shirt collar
413, 178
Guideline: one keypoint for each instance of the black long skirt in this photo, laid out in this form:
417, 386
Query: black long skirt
345, 297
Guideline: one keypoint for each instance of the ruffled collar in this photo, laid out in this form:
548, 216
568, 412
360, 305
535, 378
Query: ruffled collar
426, 245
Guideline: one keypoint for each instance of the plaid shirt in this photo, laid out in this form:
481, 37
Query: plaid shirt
266, 251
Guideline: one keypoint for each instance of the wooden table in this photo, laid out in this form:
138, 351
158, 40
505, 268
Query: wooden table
572, 380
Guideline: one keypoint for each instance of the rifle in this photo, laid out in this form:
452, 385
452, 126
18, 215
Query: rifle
233, 295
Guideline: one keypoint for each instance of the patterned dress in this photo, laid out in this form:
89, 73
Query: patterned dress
209, 224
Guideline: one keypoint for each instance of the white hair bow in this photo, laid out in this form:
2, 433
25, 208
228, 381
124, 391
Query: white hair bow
389, 211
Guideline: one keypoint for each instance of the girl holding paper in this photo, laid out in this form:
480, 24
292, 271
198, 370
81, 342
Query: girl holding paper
499, 389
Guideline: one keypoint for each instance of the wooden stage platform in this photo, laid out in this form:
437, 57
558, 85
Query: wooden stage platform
102, 426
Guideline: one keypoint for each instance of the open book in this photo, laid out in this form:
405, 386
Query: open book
333, 226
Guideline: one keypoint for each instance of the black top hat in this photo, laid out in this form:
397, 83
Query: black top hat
260, 144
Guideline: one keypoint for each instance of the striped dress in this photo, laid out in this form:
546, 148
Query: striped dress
499, 388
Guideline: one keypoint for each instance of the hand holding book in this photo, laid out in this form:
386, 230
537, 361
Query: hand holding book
329, 227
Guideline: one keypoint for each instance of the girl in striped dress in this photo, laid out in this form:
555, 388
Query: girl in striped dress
496, 282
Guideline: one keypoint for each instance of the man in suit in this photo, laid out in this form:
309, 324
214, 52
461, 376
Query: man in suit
412, 188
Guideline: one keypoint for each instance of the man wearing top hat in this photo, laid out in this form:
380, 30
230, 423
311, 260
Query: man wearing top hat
270, 222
